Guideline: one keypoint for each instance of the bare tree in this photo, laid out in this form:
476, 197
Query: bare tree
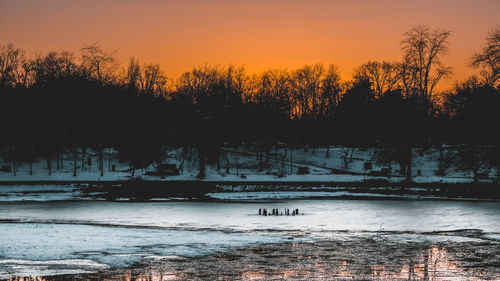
273, 90
488, 59
237, 84
315, 91
100, 64
51, 68
307, 91
200, 84
382, 75
133, 76
11, 59
153, 80
27, 77
213, 89
421, 68
331, 91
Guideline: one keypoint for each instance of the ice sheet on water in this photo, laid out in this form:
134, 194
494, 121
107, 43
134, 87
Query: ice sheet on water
319, 215
122, 233
28, 247
47, 267
494, 236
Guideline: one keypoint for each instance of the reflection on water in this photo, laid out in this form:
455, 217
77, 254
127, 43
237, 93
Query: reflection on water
125, 276
436, 266
432, 264
28, 279
153, 276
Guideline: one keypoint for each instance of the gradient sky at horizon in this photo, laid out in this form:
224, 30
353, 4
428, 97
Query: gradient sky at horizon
259, 34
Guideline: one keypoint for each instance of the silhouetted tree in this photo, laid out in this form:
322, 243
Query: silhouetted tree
421, 68
354, 114
382, 75
11, 59
99, 63
331, 92
474, 109
154, 81
472, 158
273, 92
307, 94
488, 59
133, 77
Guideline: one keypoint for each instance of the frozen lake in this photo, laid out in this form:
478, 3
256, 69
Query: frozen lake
54, 237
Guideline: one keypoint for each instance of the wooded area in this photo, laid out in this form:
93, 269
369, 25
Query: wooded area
61, 100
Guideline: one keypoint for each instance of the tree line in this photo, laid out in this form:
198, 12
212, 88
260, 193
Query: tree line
61, 100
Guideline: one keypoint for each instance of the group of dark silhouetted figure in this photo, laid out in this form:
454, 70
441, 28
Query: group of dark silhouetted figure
275, 212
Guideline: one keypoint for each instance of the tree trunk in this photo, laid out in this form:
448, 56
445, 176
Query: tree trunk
201, 158
74, 161
261, 165
49, 166
14, 168
101, 161
346, 155
268, 151
327, 151
283, 159
498, 174
441, 156
441, 168
409, 167
109, 159
276, 154
218, 161
31, 168
83, 158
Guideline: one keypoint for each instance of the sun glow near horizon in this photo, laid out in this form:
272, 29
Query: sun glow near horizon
259, 35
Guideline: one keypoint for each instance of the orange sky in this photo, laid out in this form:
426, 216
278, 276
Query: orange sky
259, 34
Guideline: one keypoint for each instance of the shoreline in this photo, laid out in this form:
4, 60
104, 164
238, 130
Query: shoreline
146, 190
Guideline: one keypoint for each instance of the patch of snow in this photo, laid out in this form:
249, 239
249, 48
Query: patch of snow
237, 162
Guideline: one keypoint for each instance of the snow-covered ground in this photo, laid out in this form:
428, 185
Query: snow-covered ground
340, 164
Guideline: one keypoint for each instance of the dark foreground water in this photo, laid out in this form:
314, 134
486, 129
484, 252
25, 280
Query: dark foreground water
167, 240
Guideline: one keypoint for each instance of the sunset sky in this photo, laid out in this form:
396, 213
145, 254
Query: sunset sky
258, 34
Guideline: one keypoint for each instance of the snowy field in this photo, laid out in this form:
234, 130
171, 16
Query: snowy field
57, 237
334, 164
